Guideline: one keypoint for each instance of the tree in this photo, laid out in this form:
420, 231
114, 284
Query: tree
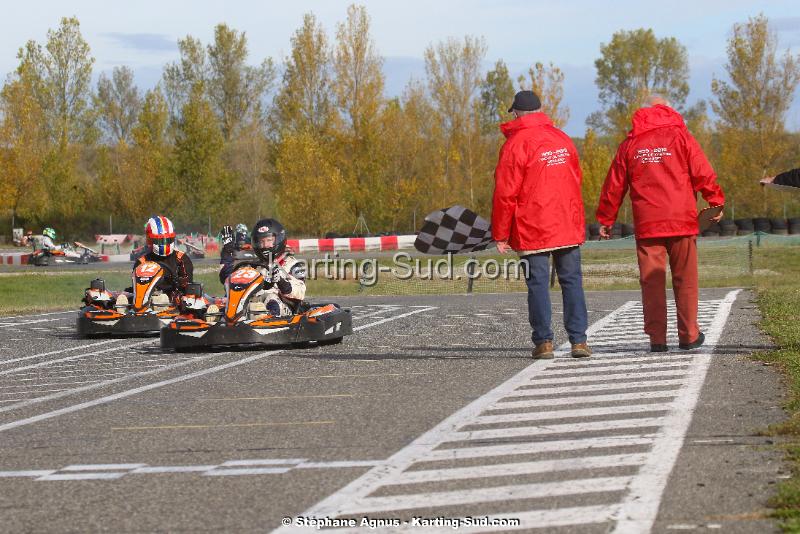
548, 83
23, 137
304, 101
117, 104
595, 161
453, 69
61, 75
201, 185
752, 109
181, 78
221, 73
358, 86
235, 89
632, 66
309, 185
497, 93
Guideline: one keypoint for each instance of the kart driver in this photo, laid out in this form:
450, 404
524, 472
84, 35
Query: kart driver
48, 239
284, 276
161, 249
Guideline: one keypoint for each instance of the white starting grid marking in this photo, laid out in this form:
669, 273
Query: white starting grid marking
264, 466
663, 388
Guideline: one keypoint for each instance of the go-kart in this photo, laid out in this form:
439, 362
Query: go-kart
242, 321
143, 310
66, 253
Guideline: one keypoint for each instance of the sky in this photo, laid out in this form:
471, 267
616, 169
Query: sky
143, 34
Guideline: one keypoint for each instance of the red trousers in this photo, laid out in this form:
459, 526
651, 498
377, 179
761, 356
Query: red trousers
652, 254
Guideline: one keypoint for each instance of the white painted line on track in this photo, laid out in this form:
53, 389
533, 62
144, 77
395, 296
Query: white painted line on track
567, 413
238, 471
644, 436
4, 318
75, 357
540, 392
101, 467
640, 508
469, 496
265, 466
23, 323
175, 380
81, 476
60, 351
521, 468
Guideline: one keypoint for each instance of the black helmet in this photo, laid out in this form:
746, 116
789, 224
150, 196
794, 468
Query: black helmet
265, 228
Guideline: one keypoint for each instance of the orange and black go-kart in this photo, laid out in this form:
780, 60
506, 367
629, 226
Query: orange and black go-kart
66, 253
242, 321
145, 309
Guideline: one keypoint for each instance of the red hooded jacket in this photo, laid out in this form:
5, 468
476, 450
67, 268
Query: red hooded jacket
665, 168
537, 200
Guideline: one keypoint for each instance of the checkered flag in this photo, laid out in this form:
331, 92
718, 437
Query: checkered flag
453, 230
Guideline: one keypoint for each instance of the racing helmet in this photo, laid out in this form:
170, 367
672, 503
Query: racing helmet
49, 232
242, 234
265, 248
160, 235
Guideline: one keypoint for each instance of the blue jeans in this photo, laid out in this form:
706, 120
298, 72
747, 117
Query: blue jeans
537, 277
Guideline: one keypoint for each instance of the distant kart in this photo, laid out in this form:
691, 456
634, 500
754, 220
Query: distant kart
65, 254
242, 322
144, 311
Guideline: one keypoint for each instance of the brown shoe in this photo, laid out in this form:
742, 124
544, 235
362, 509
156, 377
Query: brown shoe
543, 351
581, 350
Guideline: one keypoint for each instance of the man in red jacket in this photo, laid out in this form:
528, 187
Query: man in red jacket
538, 212
665, 168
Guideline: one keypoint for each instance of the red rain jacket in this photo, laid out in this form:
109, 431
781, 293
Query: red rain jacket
537, 200
665, 168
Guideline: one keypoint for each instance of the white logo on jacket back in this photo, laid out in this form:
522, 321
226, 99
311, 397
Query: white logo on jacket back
651, 155
554, 157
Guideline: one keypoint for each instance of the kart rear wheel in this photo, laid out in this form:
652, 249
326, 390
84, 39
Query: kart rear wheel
334, 341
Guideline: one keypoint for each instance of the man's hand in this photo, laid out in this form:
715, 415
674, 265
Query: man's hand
717, 218
226, 234
766, 180
503, 247
605, 232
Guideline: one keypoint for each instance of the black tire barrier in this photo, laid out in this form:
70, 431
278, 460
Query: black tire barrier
331, 235
794, 228
627, 230
744, 224
779, 226
593, 229
762, 224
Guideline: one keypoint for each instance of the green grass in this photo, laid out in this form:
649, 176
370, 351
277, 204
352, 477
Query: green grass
779, 301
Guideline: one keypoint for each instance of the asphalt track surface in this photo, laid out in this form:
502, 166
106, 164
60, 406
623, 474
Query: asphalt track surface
432, 410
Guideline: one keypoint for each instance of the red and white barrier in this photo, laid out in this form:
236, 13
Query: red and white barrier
14, 258
299, 246
352, 244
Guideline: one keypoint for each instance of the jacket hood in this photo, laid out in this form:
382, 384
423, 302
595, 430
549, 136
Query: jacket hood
531, 120
658, 116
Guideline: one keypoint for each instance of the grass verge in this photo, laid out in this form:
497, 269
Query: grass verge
779, 301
